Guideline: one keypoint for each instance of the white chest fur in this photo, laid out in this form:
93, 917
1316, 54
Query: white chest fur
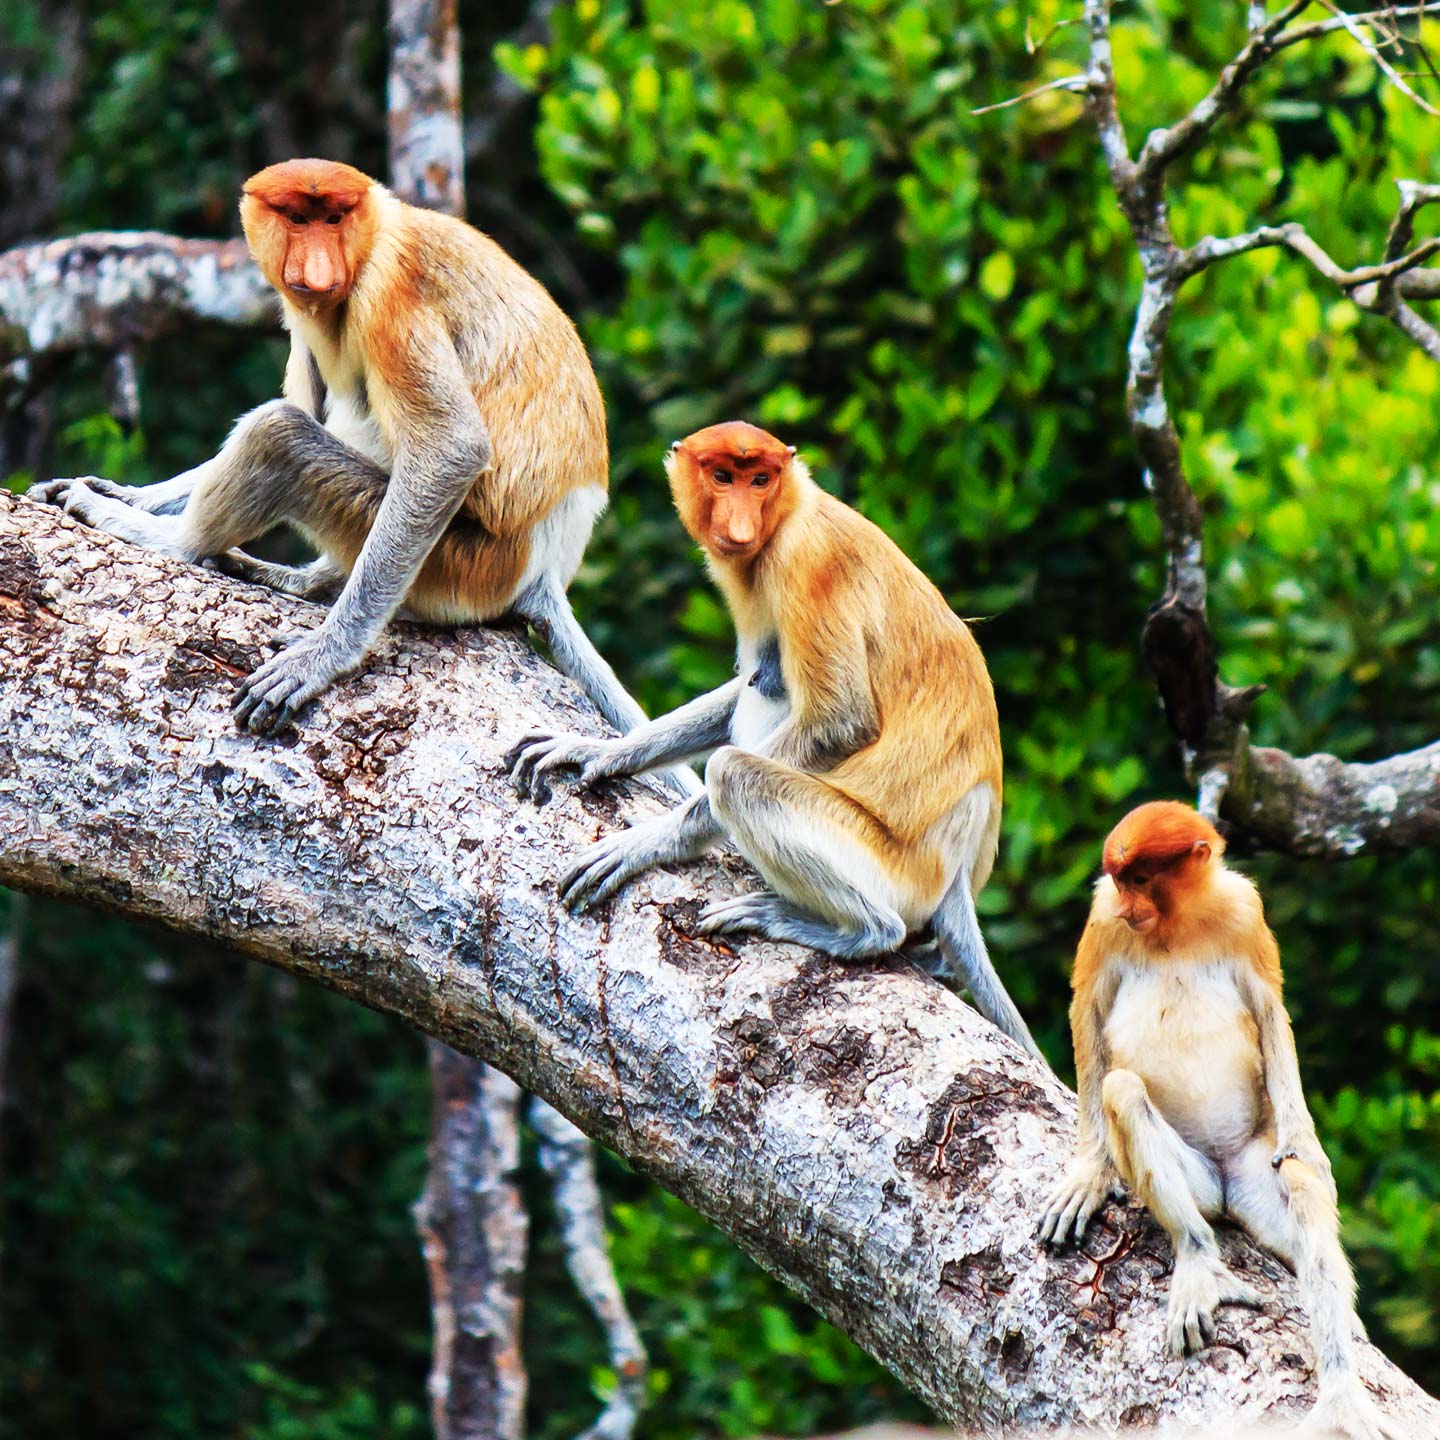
757, 715
1186, 1031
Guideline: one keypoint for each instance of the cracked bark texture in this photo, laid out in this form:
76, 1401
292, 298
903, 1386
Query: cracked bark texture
857, 1129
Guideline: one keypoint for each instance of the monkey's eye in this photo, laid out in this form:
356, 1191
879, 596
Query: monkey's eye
333, 219
296, 218
759, 482
722, 477
1139, 881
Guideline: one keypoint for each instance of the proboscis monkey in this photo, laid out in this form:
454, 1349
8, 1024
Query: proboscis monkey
441, 441
1190, 1092
856, 756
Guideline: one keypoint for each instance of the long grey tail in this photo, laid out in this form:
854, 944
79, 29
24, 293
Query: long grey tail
548, 609
957, 928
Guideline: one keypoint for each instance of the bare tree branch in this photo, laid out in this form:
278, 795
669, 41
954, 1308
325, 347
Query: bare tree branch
113, 290
1281, 800
856, 1128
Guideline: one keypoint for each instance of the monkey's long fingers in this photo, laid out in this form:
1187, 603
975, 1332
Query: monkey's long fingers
54, 492
517, 751
597, 875
1062, 1216
532, 760
276, 692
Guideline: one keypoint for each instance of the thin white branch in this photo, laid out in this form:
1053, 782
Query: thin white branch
1357, 33
1076, 83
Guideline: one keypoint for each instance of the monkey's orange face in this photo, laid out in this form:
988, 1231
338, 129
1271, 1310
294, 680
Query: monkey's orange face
1158, 856
1141, 896
729, 484
309, 224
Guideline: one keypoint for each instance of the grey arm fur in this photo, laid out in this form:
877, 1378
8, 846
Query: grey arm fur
692, 730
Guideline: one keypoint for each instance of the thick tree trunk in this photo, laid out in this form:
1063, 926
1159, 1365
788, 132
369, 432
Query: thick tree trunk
475, 1233
856, 1128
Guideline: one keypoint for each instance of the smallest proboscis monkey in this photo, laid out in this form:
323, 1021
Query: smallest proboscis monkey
855, 758
1190, 1093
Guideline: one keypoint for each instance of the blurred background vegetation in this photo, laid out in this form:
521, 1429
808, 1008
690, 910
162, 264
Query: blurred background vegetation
783, 211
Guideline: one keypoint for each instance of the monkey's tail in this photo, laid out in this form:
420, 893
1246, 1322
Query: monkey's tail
957, 928
1328, 1283
547, 608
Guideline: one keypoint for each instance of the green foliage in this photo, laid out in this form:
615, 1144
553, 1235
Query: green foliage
786, 211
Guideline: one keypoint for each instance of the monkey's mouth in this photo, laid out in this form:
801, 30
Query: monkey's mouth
1144, 924
734, 547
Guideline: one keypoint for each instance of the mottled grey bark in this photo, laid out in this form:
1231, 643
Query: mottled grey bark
855, 1128
568, 1159
112, 290
427, 155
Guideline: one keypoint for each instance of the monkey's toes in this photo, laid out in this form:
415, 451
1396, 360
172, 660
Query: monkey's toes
55, 492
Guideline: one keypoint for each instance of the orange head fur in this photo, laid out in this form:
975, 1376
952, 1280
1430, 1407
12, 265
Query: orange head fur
310, 225
1160, 857
733, 485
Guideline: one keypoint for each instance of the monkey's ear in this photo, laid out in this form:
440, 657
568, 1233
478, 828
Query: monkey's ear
1201, 849
789, 449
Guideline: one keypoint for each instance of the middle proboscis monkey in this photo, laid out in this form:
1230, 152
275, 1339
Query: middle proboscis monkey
1190, 1093
856, 755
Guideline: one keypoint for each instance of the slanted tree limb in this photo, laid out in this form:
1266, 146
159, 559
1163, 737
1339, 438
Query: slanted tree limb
856, 1128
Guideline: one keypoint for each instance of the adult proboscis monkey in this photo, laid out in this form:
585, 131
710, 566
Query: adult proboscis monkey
441, 441
858, 765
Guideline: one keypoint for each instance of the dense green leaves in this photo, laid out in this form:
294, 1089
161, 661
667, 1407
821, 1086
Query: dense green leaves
787, 211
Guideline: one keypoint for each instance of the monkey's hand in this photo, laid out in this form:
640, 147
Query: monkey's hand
1082, 1192
1304, 1146
275, 693
534, 759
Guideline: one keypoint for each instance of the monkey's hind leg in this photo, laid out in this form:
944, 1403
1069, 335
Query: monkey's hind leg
278, 465
1180, 1187
812, 846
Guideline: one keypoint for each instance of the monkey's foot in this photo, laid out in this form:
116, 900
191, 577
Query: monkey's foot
1346, 1410
56, 492
1076, 1199
1199, 1287
100, 510
762, 913
774, 917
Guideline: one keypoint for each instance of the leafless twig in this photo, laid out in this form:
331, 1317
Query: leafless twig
1316, 805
